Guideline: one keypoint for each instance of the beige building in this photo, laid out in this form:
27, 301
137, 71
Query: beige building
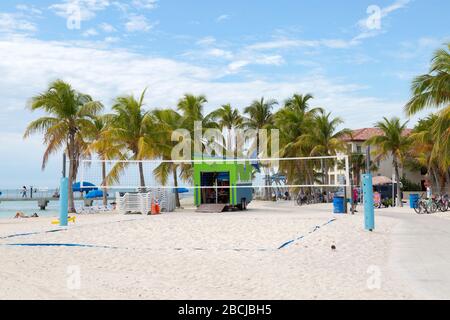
385, 167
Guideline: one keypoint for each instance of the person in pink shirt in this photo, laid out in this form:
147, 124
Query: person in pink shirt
355, 199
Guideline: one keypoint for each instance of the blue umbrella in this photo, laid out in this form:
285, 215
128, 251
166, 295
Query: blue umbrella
87, 186
183, 190
94, 194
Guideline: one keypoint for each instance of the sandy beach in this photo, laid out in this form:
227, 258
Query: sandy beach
188, 255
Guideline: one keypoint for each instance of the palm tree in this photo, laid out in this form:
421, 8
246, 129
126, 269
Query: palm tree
191, 108
260, 116
229, 119
131, 126
358, 166
167, 121
324, 139
441, 131
104, 147
293, 121
426, 150
69, 116
432, 89
393, 142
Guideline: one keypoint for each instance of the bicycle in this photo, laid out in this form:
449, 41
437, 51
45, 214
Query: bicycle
443, 203
301, 199
424, 205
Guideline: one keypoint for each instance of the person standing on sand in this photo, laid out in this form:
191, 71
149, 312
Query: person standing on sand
24, 192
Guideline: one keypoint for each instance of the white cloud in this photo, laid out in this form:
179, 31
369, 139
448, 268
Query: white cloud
28, 65
111, 39
222, 17
13, 23
138, 23
237, 65
364, 33
29, 9
87, 8
219, 53
372, 25
285, 43
90, 33
275, 60
145, 4
206, 41
281, 44
106, 27
35, 63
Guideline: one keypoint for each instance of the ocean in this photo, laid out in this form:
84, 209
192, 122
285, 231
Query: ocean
8, 209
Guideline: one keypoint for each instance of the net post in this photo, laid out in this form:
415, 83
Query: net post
347, 171
348, 184
64, 202
369, 214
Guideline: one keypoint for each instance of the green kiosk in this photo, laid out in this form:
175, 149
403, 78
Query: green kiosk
222, 184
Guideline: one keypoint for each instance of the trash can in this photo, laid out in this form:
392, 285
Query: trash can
413, 198
338, 205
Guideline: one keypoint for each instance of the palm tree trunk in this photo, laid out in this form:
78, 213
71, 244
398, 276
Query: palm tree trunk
105, 197
397, 177
442, 180
141, 176
175, 182
71, 154
436, 180
447, 176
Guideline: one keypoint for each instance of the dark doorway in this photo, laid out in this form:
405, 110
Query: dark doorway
218, 190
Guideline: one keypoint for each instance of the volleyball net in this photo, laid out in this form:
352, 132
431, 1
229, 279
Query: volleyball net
285, 173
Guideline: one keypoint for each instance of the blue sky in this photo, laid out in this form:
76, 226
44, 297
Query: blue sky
231, 51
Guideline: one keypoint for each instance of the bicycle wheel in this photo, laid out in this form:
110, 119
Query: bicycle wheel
433, 207
418, 207
423, 207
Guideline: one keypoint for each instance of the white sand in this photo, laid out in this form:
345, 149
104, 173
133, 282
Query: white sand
188, 255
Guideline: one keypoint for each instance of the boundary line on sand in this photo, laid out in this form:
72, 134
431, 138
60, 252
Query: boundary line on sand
287, 243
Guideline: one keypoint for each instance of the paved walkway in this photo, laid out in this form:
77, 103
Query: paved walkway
421, 252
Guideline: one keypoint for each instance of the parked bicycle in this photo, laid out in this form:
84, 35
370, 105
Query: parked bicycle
306, 198
424, 205
443, 203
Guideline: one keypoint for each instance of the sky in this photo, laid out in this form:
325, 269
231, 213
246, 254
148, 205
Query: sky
357, 58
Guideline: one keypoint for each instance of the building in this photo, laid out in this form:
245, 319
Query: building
355, 143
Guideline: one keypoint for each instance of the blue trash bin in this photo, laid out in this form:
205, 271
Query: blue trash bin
338, 205
413, 198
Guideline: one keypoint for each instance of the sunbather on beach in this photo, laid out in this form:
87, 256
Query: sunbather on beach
20, 214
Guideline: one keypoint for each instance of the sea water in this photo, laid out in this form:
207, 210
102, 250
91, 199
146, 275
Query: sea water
8, 209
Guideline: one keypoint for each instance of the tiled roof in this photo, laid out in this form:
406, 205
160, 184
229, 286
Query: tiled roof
367, 133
